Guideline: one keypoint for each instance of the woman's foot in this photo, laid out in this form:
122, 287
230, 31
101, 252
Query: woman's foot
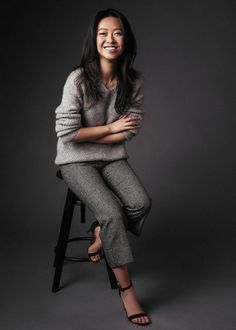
96, 245
132, 306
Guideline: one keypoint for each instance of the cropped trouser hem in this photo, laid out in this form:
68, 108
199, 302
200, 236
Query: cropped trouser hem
116, 259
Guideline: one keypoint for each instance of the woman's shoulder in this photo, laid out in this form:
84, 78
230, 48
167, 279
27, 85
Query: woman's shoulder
75, 75
137, 77
138, 81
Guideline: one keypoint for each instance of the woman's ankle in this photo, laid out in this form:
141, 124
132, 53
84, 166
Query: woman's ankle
97, 233
122, 275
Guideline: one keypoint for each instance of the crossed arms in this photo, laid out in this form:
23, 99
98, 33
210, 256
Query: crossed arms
69, 122
110, 133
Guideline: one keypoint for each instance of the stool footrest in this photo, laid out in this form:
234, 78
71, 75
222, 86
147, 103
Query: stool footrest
77, 259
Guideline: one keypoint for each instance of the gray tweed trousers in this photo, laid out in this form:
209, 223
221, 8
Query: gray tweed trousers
117, 199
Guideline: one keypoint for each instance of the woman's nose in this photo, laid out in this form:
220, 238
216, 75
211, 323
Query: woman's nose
110, 37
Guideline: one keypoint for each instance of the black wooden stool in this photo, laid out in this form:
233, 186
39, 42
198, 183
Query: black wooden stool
63, 239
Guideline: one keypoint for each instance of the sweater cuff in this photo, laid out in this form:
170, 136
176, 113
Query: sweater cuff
128, 135
68, 137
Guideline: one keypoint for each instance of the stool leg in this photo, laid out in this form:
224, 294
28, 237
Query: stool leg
63, 238
111, 275
66, 222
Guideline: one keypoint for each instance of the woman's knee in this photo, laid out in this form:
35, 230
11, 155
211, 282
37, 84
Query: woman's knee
147, 204
140, 206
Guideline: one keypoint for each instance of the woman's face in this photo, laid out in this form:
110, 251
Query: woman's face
110, 38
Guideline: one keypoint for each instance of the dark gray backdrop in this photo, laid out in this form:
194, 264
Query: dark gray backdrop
184, 155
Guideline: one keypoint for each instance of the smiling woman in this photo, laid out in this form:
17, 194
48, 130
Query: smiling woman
101, 108
110, 39
110, 45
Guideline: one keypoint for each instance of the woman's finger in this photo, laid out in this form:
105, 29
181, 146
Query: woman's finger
132, 119
126, 114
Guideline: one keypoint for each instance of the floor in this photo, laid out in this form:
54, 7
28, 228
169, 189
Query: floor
183, 275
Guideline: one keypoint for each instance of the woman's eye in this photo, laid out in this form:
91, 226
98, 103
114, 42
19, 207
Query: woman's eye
103, 33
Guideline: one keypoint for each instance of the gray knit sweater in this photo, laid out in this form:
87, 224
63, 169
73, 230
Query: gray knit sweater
74, 112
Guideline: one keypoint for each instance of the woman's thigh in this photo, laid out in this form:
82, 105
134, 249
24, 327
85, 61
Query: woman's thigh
124, 182
88, 184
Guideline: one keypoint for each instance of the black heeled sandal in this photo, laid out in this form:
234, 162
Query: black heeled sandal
99, 252
131, 317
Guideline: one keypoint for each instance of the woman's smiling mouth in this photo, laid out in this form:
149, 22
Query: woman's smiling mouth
110, 48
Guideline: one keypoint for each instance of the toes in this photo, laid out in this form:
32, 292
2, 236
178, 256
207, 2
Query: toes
137, 320
96, 257
141, 320
146, 319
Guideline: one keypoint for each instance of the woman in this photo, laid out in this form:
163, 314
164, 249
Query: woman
101, 108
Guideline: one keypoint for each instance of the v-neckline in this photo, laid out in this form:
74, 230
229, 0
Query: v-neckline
107, 89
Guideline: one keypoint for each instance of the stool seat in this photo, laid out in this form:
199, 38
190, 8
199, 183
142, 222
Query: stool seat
59, 175
63, 239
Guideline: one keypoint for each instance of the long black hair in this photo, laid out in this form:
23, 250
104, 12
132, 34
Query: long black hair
90, 65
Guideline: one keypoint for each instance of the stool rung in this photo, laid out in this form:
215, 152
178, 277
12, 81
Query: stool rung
79, 238
76, 259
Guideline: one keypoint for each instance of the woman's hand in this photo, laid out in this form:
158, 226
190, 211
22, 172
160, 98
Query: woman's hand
125, 122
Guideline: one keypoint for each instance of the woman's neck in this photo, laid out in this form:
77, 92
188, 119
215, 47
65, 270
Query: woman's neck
108, 71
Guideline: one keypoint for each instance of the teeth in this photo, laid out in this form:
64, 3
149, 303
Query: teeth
110, 47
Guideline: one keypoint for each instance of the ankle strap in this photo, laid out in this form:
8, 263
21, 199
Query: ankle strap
126, 288
93, 226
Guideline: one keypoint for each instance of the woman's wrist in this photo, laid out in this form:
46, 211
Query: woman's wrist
109, 128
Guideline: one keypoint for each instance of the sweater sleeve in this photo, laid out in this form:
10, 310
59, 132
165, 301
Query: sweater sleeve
68, 117
136, 109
